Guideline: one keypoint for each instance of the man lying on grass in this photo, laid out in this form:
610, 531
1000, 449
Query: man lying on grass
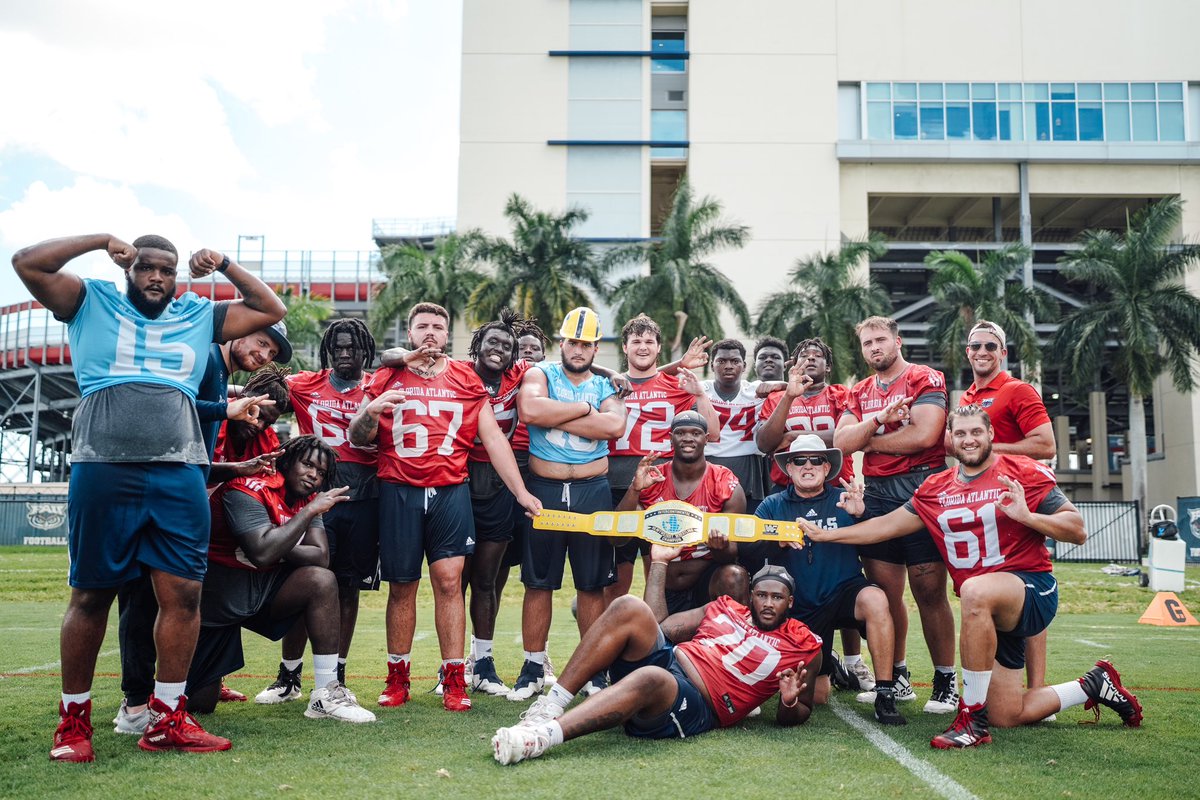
990, 518
728, 659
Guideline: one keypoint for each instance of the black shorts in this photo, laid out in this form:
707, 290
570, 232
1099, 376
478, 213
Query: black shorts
491, 503
1041, 604
417, 523
885, 495
689, 715
521, 524
353, 532
546, 552
834, 615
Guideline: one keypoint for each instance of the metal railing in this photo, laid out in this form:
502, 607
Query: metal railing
412, 227
1114, 534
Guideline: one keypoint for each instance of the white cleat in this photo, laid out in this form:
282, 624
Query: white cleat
542, 711
132, 724
335, 702
518, 743
860, 670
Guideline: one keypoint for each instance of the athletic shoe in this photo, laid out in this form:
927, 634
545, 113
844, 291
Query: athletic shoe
341, 673
862, 673
885, 707
176, 729
396, 690
285, 688
548, 676
944, 699
518, 743
455, 696
597, 684
903, 689
437, 687
530, 682
1102, 684
73, 737
484, 678
755, 712
230, 695
335, 702
469, 671
839, 676
969, 729
542, 711
131, 723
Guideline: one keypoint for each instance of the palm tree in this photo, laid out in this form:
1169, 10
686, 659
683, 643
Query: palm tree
305, 313
445, 274
681, 283
1144, 305
827, 298
544, 271
966, 293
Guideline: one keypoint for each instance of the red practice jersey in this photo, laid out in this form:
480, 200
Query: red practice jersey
323, 411
868, 398
265, 442
424, 441
710, 495
975, 536
739, 663
811, 415
1014, 407
649, 409
504, 407
266, 489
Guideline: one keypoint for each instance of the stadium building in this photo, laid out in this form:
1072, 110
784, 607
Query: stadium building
940, 124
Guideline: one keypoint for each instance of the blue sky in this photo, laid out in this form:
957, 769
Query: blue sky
300, 121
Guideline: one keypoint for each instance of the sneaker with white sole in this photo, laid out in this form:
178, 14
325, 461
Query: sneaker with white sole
903, 691
132, 724
511, 745
542, 711
548, 676
944, 699
438, 688
335, 702
285, 688
597, 684
484, 678
530, 682
862, 673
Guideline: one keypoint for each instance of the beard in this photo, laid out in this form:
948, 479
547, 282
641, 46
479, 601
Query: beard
758, 623
569, 367
886, 362
981, 455
151, 309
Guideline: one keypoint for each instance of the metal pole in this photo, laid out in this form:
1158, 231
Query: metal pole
33, 428
1029, 373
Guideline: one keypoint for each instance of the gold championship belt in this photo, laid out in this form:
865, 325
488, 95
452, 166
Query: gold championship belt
673, 523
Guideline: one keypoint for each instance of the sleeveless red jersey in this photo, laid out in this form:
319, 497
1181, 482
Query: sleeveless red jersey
975, 536
868, 398
812, 415
323, 411
739, 663
504, 407
424, 441
710, 495
649, 410
268, 490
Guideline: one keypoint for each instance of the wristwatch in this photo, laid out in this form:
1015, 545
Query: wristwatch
224, 264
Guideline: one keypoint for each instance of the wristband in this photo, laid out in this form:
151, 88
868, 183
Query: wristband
876, 421
224, 264
795, 703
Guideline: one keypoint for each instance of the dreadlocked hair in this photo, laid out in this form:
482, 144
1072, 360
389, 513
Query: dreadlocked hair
359, 334
299, 447
509, 322
271, 380
529, 327
817, 343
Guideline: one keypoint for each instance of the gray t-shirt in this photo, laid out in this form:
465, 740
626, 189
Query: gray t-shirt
137, 422
245, 515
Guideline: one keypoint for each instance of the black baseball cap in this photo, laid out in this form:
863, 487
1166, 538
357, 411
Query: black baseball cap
773, 573
278, 334
689, 419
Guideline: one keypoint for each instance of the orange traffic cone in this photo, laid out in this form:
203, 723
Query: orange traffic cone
1166, 609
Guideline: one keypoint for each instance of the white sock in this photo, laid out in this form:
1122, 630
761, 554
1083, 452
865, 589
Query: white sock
899, 665
1070, 694
851, 660
341, 661
169, 693
560, 695
538, 658
945, 670
553, 731
975, 686
292, 664
481, 648
394, 658
448, 661
325, 669
82, 698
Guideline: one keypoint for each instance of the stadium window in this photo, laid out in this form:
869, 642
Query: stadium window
668, 42
933, 125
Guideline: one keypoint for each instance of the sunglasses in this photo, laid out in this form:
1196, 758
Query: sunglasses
991, 347
800, 461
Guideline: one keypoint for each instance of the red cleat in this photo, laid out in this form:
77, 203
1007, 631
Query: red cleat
176, 729
73, 739
396, 690
454, 688
230, 695
969, 729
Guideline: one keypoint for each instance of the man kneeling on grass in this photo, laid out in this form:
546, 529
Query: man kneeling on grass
726, 661
266, 567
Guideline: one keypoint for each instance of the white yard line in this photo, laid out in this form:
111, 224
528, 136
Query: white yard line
942, 784
51, 665
1090, 643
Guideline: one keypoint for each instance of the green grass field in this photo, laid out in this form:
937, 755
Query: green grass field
421, 751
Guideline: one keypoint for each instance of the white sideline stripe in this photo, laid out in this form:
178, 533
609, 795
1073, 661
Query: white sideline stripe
1090, 643
942, 784
53, 665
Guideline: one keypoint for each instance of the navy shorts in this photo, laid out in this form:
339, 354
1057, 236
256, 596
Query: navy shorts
352, 529
416, 523
689, 714
491, 503
546, 552
885, 495
1041, 604
126, 516
836, 614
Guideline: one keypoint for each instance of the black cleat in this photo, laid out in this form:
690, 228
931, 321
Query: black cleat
885, 707
1102, 684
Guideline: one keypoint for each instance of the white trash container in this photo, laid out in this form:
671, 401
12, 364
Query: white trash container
1167, 560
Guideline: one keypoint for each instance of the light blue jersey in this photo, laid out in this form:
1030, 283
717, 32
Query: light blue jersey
113, 343
552, 444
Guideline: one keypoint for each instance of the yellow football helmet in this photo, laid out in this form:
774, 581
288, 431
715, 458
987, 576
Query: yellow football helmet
581, 324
